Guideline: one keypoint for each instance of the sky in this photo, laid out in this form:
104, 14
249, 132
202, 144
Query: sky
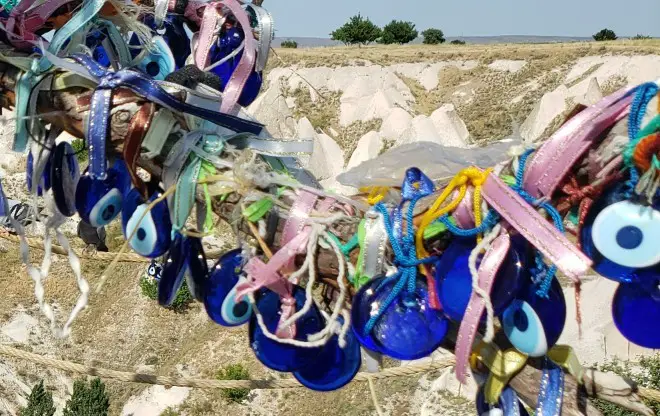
317, 18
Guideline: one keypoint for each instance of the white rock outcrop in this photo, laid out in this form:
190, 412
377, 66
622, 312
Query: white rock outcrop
368, 147
396, 122
327, 159
506, 65
550, 106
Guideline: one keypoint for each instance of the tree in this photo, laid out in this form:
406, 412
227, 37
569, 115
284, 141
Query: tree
358, 30
398, 31
605, 34
289, 44
433, 36
40, 402
88, 400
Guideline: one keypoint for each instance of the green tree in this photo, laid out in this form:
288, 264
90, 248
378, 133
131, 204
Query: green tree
358, 30
289, 44
40, 402
398, 31
433, 36
605, 34
88, 399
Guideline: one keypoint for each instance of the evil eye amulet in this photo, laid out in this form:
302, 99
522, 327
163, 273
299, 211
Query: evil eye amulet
533, 323
407, 329
621, 237
636, 311
66, 174
44, 180
174, 271
155, 270
148, 232
276, 355
220, 296
197, 267
160, 62
99, 201
454, 280
335, 366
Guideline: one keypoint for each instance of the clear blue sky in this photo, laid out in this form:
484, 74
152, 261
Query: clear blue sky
317, 18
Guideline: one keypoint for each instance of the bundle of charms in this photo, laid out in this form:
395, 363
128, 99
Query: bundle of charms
414, 266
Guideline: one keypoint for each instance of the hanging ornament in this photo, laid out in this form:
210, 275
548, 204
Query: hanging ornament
220, 296
99, 201
148, 232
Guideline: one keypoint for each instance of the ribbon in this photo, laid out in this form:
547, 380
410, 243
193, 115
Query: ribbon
551, 391
24, 21
372, 238
271, 147
503, 365
266, 31
467, 331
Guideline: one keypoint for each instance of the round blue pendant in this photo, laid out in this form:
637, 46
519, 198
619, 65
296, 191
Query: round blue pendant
276, 355
454, 281
220, 296
174, 270
636, 311
98, 202
335, 366
619, 236
408, 329
533, 324
150, 230
65, 174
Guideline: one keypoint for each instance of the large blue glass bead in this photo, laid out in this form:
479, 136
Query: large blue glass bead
219, 299
626, 234
361, 310
160, 62
533, 324
153, 233
508, 404
65, 173
454, 281
408, 329
174, 34
98, 202
174, 271
335, 366
276, 355
198, 269
636, 311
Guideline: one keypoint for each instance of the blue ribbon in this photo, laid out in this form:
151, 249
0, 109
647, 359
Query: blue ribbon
551, 391
97, 129
4, 204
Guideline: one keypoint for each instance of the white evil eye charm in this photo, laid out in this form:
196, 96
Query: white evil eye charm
220, 297
159, 63
627, 234
148, 232
533, 323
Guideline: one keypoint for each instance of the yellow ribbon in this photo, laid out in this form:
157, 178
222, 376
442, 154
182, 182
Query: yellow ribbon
376, 193
564, 356
503, 365
472, 175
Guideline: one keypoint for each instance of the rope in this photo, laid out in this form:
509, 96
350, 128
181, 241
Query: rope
131, 377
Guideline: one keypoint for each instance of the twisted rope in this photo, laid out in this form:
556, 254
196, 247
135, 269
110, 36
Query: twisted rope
131, 377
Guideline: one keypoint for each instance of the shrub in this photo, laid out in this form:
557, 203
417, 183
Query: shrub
292, 44
183, 297
358, 30
605, 34
81, 150
398, 31
433, 36
647, 376
457, 42
40, 402
88, 400
234, 372
640, 37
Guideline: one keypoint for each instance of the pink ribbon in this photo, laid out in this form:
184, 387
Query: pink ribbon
536, 229
28, 23
490, 264
239, 77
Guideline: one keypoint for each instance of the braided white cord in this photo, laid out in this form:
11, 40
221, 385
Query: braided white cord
472, 264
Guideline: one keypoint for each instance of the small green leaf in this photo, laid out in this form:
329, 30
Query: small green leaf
258, 209
509, 180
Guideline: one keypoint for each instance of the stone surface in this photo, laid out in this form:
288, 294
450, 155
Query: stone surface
396, 122
550, 106
368, 147
505, 65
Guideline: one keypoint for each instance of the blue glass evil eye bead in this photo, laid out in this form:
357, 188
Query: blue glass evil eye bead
454, 281
220, 296
155, 270
276, 355
408, 329
98, 202
46, 180
159, 62
620, 237
361, 312
335, 366
532, 323
66, 174
507, 405
636, 311
174, 34
151, 232
174, 271
198, 269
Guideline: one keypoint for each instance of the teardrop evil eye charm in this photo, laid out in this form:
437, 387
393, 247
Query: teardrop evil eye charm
620, 237
408, 329
198, 269
155, 270
173, 272
148, 232
220, 296
276, 355
66, 174
45, 183
335, 366
454, 280
533, 324
636, 311
507, 405
98, 202
158, 63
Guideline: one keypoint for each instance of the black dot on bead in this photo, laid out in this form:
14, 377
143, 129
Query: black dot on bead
153, 68
108, 212
240, 309
520, 320
141, 234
